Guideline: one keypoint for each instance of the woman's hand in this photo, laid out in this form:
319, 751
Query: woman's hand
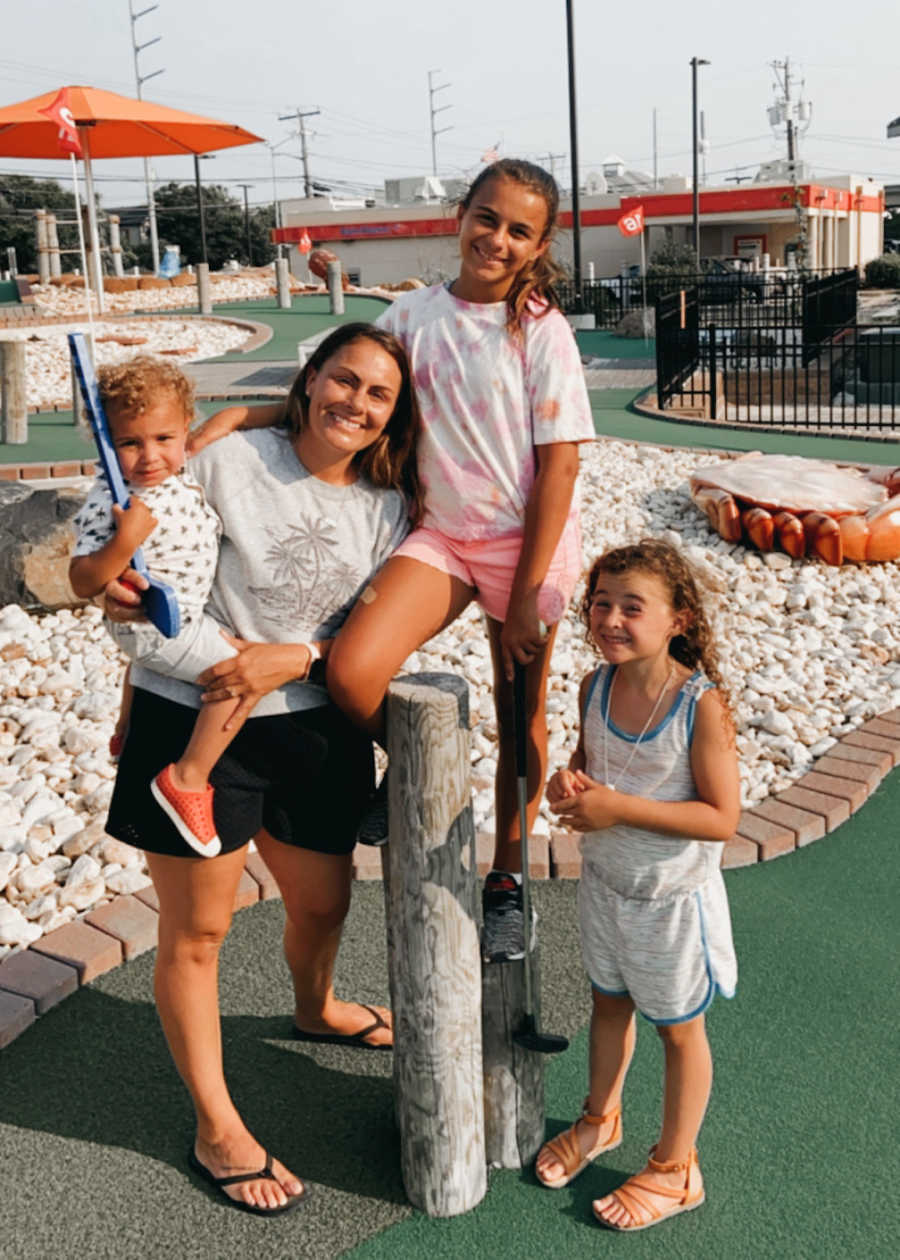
592, 807
257, 669
231, 418
121, 598
523, 636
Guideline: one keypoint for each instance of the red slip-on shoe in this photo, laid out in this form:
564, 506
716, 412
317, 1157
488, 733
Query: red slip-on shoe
190, 812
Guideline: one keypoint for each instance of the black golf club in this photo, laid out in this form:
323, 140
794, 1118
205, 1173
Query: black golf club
528, 1036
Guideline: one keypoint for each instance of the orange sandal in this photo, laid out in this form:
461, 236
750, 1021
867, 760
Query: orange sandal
632, 1194
564, 1147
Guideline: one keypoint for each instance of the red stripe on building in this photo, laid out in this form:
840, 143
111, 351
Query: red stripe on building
656, 206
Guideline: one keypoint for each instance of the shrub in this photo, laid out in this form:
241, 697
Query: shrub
884, 272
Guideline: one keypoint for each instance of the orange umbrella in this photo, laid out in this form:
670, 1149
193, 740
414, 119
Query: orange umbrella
111, 126
120, 127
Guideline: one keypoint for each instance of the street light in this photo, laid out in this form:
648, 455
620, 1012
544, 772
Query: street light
695, 62
247, 222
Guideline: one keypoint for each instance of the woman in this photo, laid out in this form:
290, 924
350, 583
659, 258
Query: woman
309, 512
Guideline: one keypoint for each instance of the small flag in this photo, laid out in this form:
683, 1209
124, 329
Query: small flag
631, 222
60, 113
491, 154
304, 244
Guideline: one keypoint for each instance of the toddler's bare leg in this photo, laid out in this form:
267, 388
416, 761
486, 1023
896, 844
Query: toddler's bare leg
209, 739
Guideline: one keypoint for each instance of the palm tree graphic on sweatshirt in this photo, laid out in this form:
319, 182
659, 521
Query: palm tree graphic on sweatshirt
310, 577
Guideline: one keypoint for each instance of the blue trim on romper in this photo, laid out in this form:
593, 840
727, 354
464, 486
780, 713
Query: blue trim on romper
713, 989
633, 739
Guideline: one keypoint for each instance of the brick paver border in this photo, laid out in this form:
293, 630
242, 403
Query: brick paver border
837, 785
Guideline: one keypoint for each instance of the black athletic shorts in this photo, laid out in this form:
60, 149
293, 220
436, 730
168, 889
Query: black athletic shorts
306, 777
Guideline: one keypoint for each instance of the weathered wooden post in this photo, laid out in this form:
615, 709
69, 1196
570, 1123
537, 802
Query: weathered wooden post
53, 245
513, 1077
204, 292
43, 256
115, 245
335, 287
433, 948
283, 283
14, 414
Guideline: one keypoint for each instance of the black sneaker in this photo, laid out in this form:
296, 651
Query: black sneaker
503, 933
373, 830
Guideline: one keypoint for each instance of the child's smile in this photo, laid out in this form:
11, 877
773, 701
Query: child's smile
150, 446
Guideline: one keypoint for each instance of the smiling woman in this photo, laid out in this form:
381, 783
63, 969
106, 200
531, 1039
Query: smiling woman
309, 510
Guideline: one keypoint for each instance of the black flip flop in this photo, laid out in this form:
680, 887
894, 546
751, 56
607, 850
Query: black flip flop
265, 1174
357, 1039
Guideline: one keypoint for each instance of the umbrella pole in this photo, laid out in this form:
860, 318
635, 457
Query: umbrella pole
96, 270
87, 292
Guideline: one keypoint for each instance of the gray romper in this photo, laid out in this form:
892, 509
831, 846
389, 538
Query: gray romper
652, 908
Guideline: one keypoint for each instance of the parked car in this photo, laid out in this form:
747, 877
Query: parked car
724, 281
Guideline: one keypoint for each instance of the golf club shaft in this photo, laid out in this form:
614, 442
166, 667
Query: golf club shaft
521, 734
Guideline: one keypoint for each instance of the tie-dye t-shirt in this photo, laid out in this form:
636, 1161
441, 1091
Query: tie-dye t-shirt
486, 400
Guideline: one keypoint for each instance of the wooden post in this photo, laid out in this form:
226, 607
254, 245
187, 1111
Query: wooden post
283, 283
12, 382
43, 257
115, 245
204, 293
513, 1077
433, 948
53, 245
335, 288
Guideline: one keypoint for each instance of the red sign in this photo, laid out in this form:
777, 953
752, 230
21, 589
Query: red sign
304, 244
631, 222
60, 113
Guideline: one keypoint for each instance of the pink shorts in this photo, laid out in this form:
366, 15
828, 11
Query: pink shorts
490, 565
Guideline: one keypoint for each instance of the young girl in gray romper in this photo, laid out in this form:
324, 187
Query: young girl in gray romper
653, 786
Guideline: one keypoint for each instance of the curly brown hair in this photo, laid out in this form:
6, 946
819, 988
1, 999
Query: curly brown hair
695, 647
390, 462
129, 389
533, 290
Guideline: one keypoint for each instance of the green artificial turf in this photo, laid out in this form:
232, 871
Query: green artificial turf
614, 417
603, 344
798, 1145
307, 316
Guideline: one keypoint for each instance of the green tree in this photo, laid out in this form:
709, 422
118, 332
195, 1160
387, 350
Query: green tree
20, 196
178, 222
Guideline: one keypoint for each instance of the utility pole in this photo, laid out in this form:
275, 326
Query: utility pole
246, 187
300, 114
573, 150
695, 62
140, 80
655, 150
551, 159
786, 111
433, 111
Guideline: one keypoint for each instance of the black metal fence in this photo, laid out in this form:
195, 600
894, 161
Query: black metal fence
848, 380
678, 346
729, 297
815, 367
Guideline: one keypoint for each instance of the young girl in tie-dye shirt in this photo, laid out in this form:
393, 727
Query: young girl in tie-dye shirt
504, 407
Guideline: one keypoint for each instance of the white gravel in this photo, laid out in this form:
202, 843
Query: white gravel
47, 362
808, 651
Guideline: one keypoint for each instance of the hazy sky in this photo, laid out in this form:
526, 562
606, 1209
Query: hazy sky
364, 64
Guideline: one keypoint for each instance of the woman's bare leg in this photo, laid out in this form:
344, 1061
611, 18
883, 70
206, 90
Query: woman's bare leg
406, 604
507, 846
196, 897
316, 892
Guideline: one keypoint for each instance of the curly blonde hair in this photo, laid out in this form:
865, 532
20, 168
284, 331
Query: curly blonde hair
695, 646
129, 389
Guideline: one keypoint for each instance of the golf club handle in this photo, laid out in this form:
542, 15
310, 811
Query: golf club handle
519, 720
